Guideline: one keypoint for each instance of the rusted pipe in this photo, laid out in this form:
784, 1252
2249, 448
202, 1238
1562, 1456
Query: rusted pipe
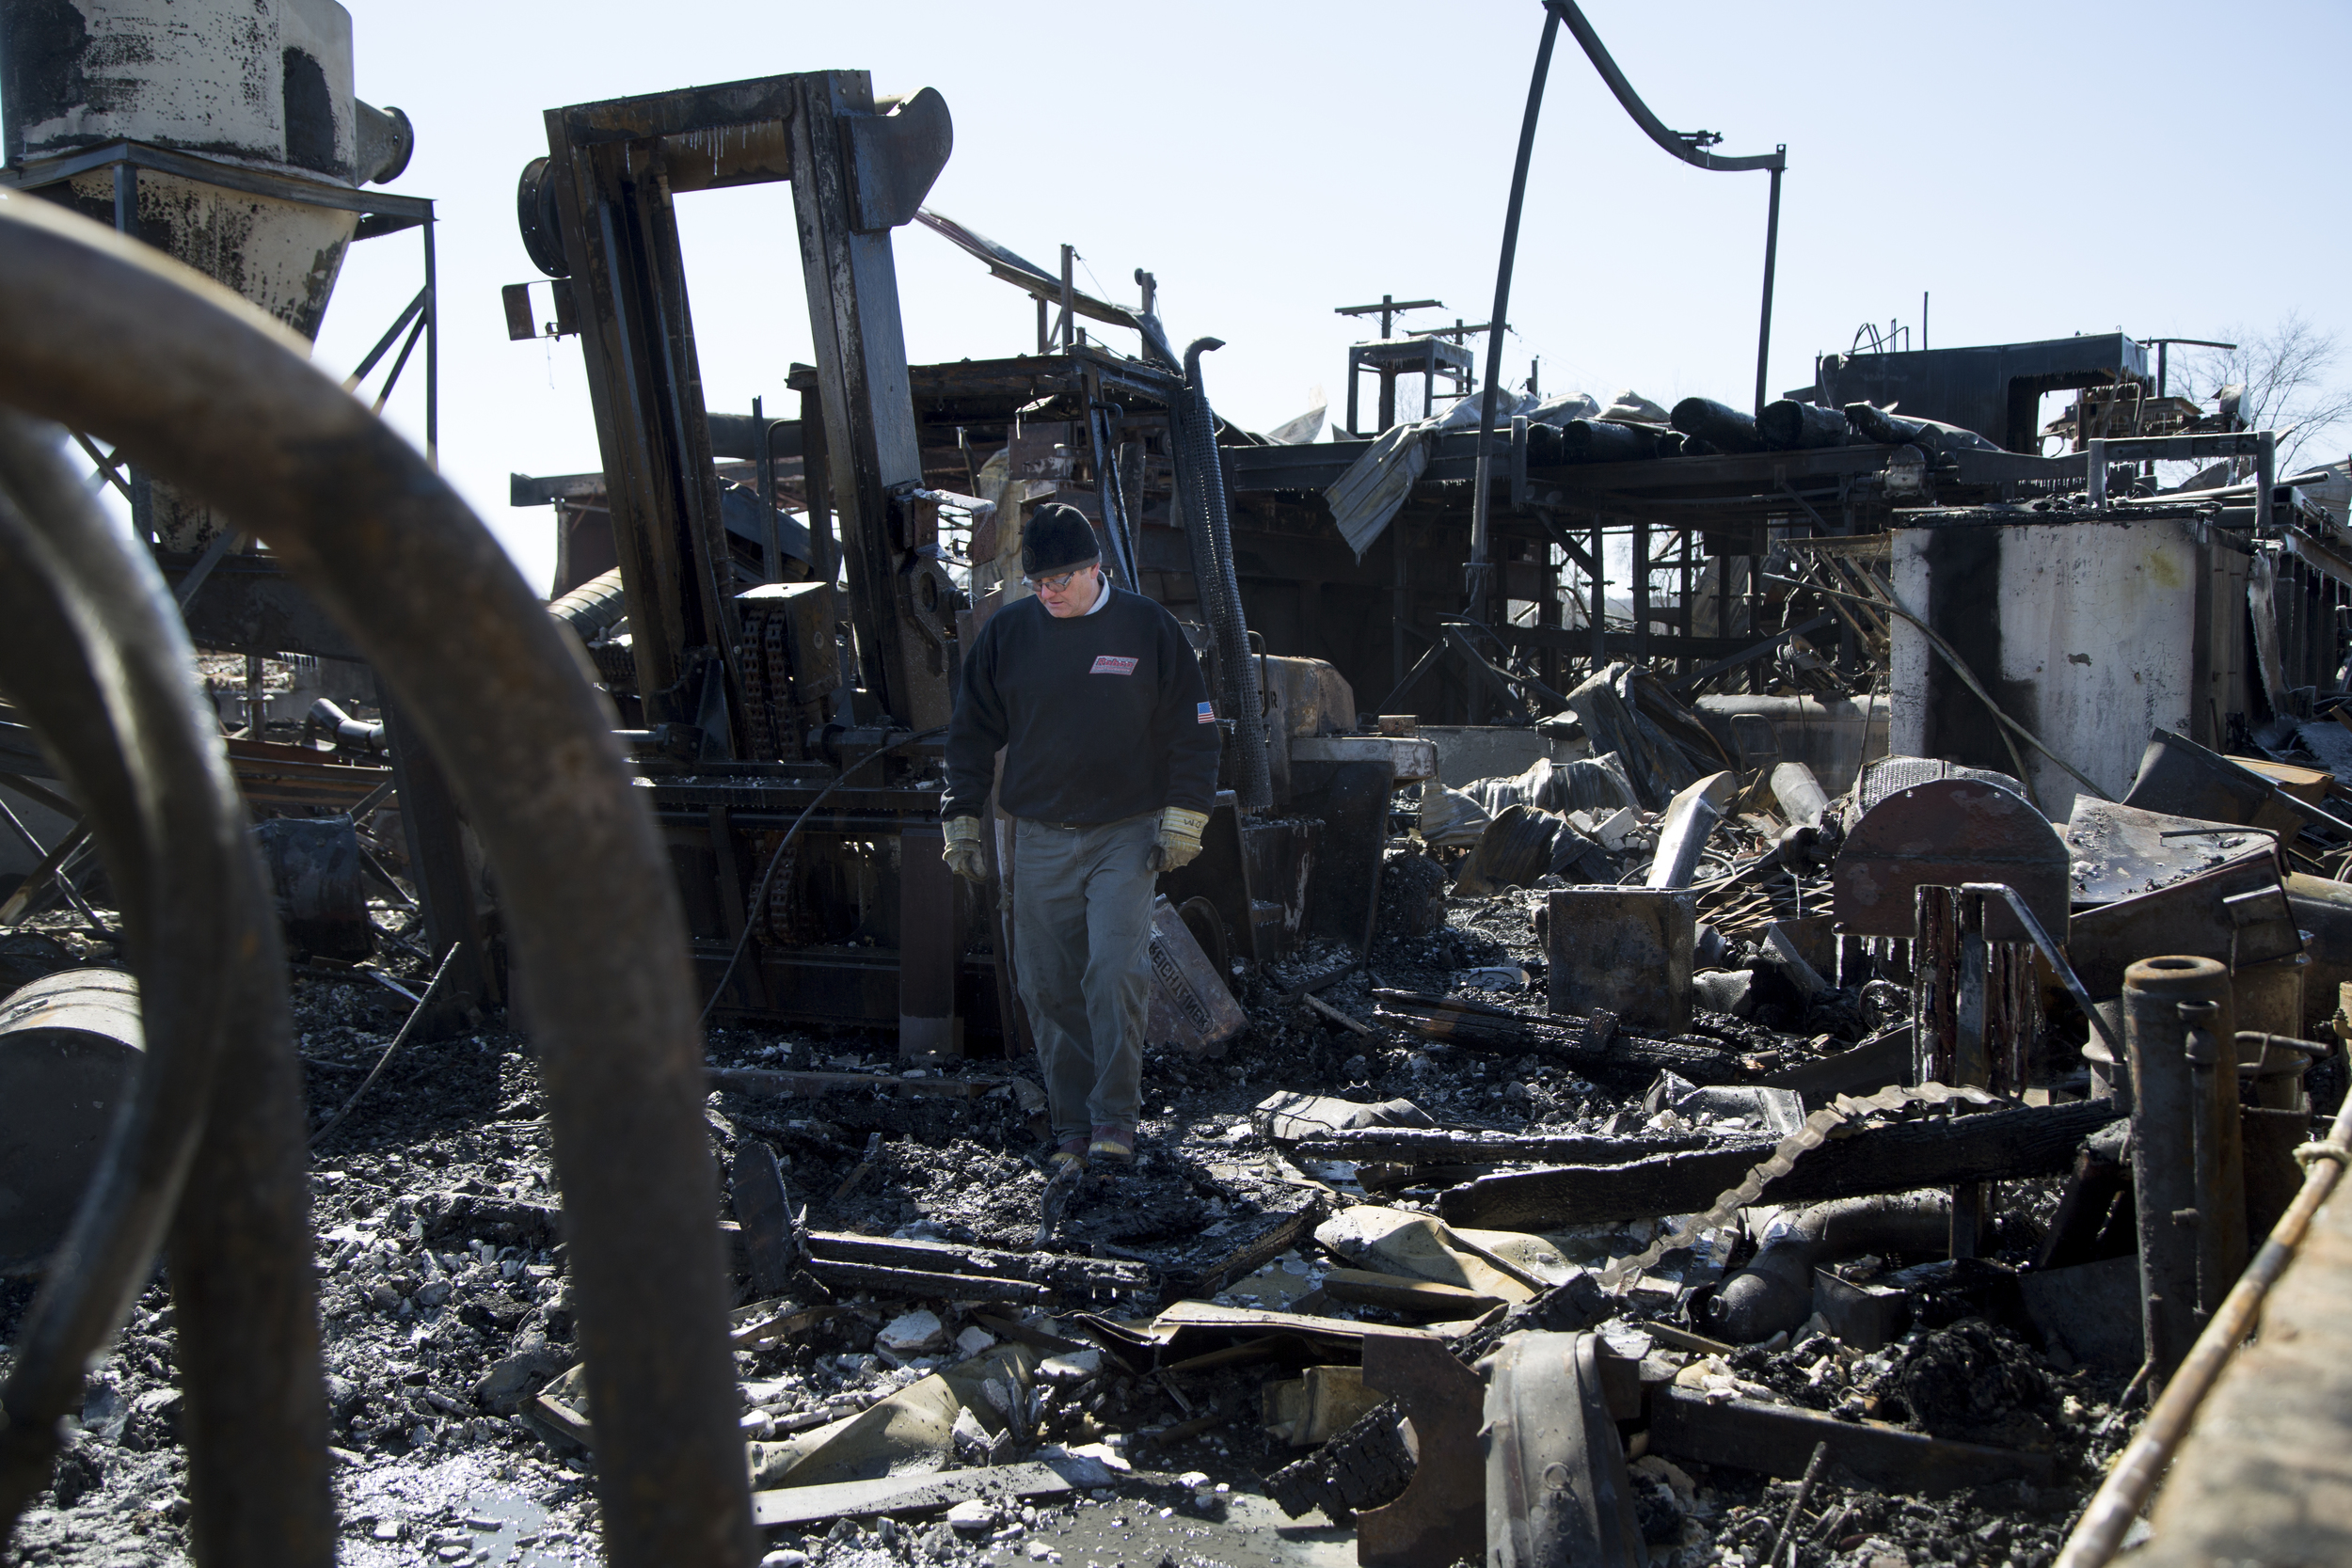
2138, 1467
100, 662
2189, 1187
201, 388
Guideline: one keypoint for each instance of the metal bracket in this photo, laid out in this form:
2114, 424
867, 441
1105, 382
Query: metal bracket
1442, 1514
929, 596
894, 157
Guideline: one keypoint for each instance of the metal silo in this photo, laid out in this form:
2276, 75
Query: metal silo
196, 92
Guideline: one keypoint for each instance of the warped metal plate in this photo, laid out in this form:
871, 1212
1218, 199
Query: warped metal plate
2122, 851
1942, 833
2235, 914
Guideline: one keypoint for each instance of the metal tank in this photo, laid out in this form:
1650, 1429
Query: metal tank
69, 1052
264, 85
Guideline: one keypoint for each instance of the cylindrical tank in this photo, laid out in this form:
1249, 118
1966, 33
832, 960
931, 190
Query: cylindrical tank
314, 868
263, 84
70, 1050
2187, 1169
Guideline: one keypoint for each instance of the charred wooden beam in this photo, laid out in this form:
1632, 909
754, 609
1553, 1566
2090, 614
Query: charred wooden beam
1580, 1043
1286, 1231
1045, 1268
1420, 1146
772, 1083
1776, 1440
1938, 1152
921, 1284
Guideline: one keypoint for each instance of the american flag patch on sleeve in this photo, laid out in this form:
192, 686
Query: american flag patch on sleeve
1208, 714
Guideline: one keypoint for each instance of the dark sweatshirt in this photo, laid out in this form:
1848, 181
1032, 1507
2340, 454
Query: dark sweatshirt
1102, 715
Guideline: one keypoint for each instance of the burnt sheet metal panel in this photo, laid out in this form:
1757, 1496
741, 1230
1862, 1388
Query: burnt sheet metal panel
2087, 632
1994, 390
1623, 950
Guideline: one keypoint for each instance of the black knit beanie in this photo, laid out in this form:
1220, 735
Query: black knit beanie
1057, 537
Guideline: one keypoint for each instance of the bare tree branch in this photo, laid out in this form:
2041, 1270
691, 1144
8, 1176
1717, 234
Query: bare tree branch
2288, 383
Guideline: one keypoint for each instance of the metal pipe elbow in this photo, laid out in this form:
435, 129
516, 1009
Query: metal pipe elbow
1193, 352
1775, 1290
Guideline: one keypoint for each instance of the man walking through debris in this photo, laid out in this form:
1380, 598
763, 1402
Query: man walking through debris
1110, 763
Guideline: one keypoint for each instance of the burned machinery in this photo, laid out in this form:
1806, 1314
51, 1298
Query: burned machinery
791, 734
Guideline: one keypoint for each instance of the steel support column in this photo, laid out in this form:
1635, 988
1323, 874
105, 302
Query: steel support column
644, 383
436, 865
870, 438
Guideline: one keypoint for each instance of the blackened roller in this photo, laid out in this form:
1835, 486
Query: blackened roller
1722, 427
1877, 424
1791, 426
1602, 441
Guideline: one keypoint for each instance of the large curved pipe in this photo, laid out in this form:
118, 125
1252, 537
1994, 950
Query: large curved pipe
1479, 579
100, 663
1690, 147
199, 387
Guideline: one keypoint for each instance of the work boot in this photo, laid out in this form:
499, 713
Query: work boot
1112, 1145
1072, 1150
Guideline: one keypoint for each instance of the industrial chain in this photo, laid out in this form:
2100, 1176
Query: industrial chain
1784, 1158
751, 673
777, 691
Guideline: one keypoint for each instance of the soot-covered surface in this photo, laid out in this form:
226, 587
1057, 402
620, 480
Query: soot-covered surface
445, 1306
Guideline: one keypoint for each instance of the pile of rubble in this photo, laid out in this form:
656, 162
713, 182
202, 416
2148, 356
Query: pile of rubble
1822, 1317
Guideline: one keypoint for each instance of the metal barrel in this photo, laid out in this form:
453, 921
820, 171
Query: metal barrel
70, 1050
314, 868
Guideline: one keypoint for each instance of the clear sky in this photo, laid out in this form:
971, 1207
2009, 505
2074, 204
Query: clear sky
2039, 170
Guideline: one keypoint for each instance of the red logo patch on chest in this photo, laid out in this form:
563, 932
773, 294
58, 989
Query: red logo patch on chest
1109, 665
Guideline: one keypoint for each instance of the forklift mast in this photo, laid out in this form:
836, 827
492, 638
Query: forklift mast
598, 215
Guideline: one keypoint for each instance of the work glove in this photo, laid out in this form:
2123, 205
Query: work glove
1178, 842
964, 854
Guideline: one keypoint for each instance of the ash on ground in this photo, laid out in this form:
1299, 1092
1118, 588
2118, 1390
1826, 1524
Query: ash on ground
446, 1313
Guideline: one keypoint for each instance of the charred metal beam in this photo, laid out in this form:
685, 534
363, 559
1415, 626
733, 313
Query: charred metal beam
889, 541
619, 239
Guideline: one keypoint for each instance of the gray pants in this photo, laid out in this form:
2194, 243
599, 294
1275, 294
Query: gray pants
1082, 936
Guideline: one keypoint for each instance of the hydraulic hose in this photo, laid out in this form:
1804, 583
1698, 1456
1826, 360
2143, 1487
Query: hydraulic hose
198, 387
1208, 527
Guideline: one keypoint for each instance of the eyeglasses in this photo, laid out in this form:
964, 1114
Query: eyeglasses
1057, 583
